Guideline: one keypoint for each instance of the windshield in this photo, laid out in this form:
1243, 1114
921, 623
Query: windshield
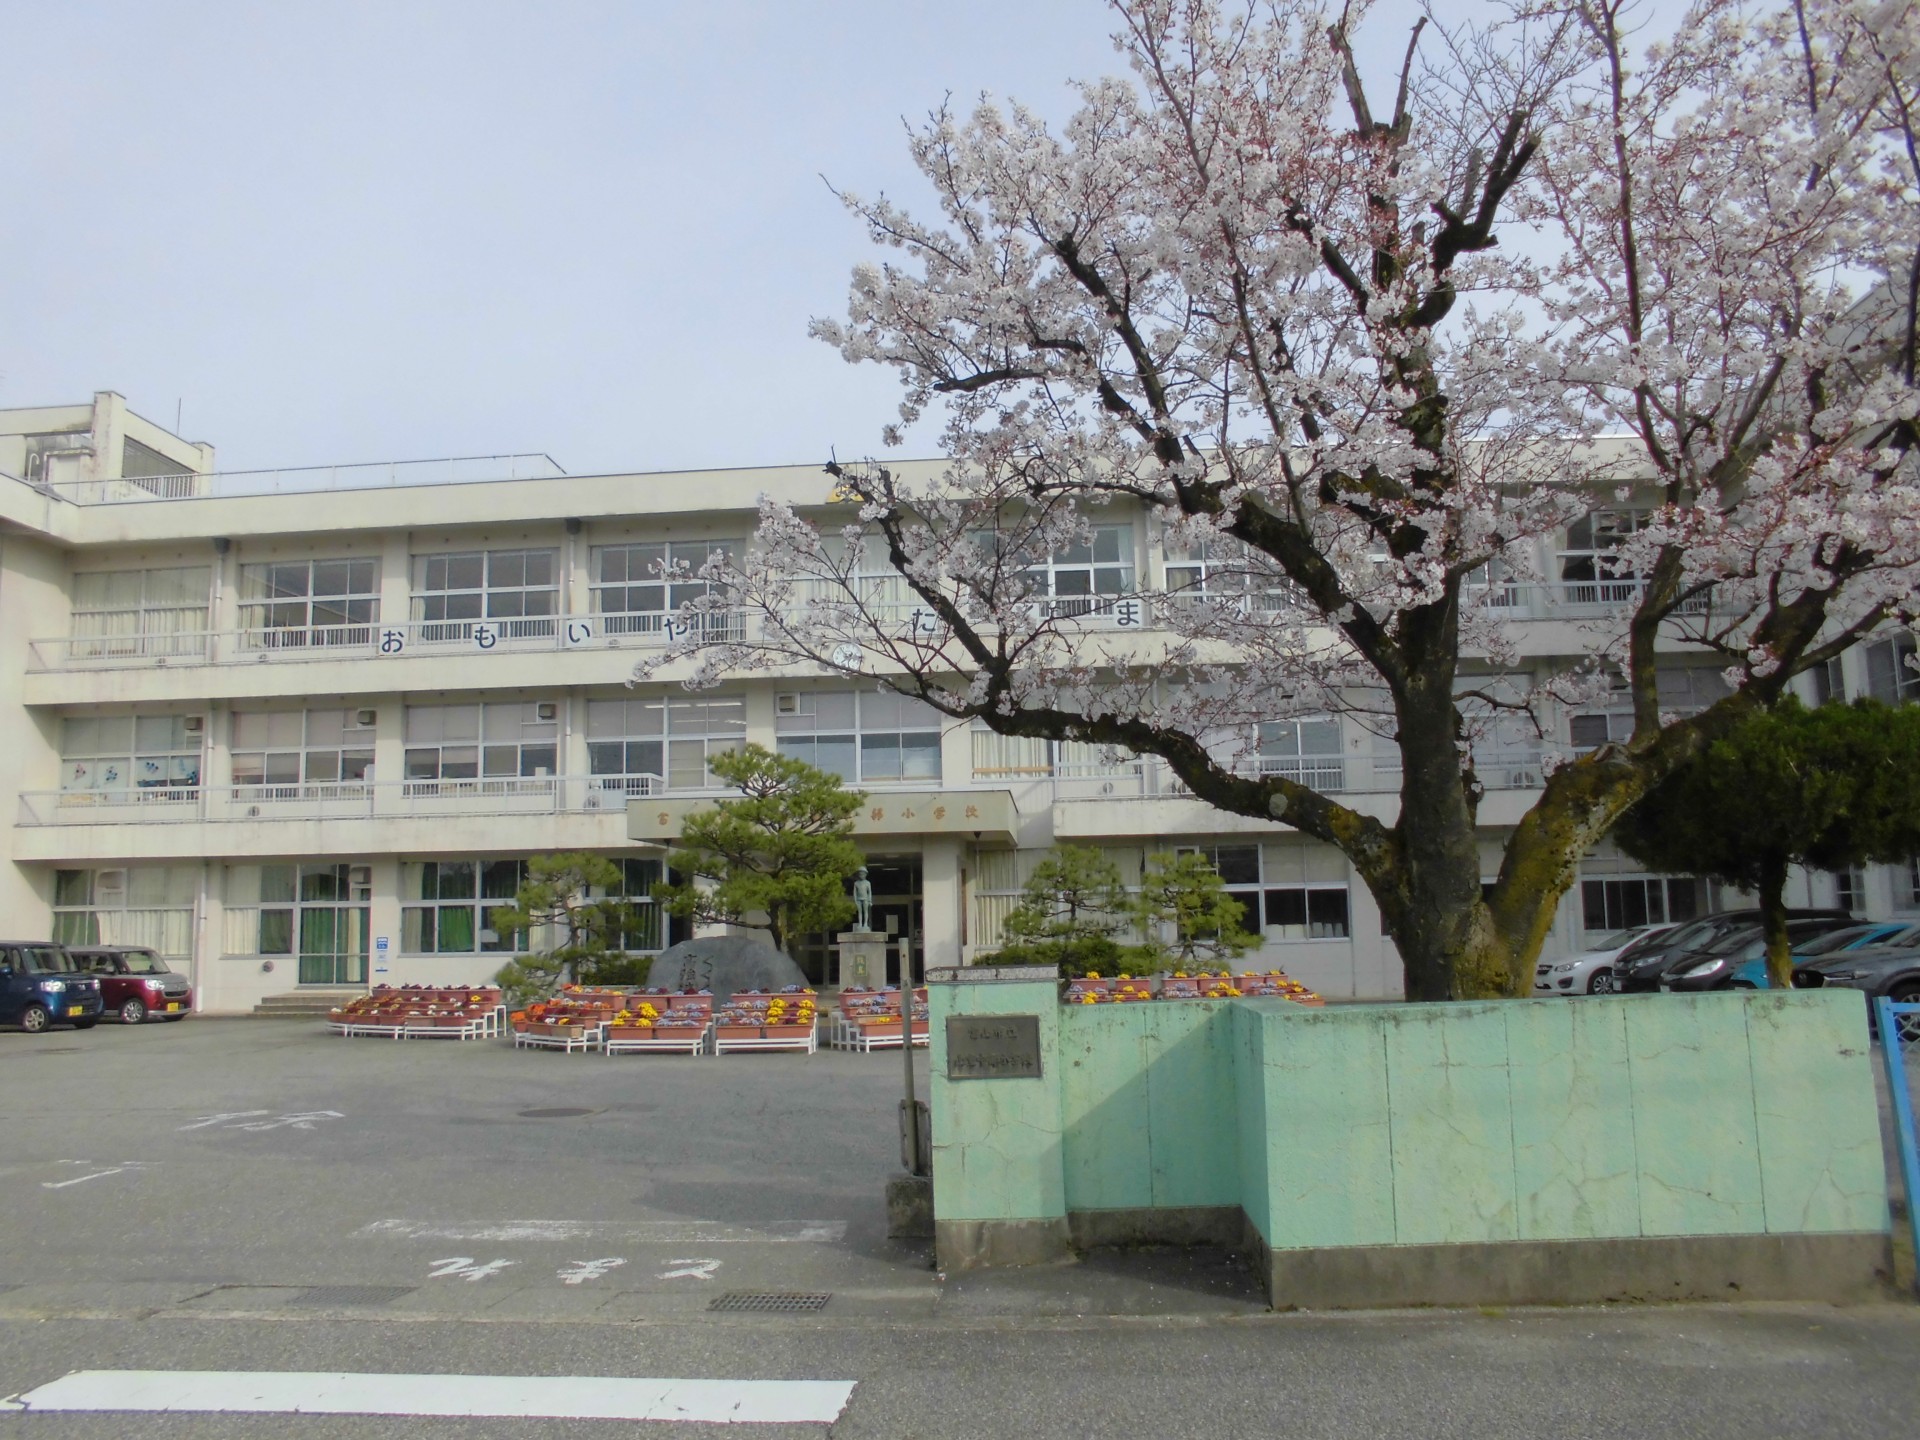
1731, 940
45, 960
144, 962
1647, 944
1836, 940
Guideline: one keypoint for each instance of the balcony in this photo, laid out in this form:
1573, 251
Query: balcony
409, 799
507, 634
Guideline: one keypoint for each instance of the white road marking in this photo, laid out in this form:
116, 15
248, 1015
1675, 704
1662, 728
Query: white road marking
584, 1270
682, 1234
462, 1267
82, 1179
690, 1270
205, 1120
268, 1392
250, 1120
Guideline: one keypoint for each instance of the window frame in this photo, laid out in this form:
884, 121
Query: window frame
474, 903
866, 736
489, 598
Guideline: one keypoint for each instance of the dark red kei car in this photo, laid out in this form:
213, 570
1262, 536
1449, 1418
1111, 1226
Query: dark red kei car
135, 984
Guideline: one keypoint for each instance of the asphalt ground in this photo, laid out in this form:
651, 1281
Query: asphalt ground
195, 1196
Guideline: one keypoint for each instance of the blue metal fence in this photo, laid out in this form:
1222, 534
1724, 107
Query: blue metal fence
1900, 1046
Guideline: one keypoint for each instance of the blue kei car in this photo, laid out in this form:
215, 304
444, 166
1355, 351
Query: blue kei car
40, 986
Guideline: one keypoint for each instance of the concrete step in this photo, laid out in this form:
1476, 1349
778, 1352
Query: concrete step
303, 1003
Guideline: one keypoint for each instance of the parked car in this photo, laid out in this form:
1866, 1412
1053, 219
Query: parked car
41, 986
1677, 948
1890, 969
135, 983
1591, 971
1753, 973
1728, 963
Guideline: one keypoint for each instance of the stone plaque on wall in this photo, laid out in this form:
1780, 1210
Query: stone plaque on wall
993, 1047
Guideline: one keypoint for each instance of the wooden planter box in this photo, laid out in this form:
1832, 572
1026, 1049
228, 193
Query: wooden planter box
737, 1032
787, 1032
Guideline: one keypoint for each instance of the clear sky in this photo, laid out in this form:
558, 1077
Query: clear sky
332, 231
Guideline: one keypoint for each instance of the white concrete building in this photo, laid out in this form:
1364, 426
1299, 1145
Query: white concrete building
303, 728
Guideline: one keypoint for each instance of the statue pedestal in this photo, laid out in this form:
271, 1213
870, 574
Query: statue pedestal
863, 958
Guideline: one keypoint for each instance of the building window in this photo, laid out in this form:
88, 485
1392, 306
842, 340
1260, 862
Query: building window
1829, 682
1275, 906
135, 613
114, 753
638, 589
1596, 728
645, 745
1307, 751
1890, 670
319, 914
512, 592
862, 736
1628, 902
447, 906
1221, 569
637, 879
150, 905
1913, 884
291, 754
454, 748
296, 604
1850, 890
1086, 579
1589, 573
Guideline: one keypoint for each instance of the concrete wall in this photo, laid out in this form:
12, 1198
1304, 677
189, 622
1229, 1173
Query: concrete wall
1684, 1146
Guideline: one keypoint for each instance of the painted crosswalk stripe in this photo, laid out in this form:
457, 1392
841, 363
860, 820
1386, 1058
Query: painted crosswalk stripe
562, 1397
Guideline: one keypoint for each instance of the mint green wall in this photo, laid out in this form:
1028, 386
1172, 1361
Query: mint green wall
1658, 1115
997, 1143
1741, 1113
1147, 1105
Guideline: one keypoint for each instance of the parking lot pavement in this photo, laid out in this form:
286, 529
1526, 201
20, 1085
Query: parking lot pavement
207, 1163
263, 1198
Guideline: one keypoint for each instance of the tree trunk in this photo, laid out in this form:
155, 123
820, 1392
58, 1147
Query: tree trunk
1433, 907
1773, 919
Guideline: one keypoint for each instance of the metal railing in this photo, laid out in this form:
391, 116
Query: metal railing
1550, 599
309, 479
340, 800
518, 634
1899, 1027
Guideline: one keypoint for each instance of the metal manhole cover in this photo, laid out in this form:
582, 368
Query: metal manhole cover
327, 1295
558, 1112
782, 1302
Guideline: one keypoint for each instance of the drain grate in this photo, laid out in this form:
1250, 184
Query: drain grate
558, 1112
329, 1295
781, 1302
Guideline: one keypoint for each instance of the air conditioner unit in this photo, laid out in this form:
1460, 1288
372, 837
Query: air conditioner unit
593, 800
194, 724
786, 704
360, 875
365, 718
546, 710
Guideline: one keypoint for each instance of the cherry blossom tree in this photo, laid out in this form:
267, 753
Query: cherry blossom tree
1364, 358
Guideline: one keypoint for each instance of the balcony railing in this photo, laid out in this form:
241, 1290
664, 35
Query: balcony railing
309, 479
347, 800
518, 634
1567, 599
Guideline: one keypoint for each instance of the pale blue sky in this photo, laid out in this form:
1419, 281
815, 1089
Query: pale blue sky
363, 231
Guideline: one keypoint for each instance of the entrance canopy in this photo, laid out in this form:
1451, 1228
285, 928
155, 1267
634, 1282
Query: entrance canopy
985, 815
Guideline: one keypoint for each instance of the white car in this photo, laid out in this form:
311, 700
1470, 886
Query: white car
1591, 972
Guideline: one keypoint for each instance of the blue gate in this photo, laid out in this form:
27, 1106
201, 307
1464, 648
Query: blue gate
1900, 1045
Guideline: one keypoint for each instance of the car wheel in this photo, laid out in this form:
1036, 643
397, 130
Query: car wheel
133, 1012
1600, 982
86, 1024
34, 1019
1907, 992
